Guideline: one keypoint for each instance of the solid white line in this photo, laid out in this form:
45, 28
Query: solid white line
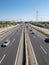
43, 49
34, 54
19, 46
2, 58
17, 54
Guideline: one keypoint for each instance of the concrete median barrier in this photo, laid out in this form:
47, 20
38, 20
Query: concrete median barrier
30, 55
25, 54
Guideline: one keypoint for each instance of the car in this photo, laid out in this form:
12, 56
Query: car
32, 33
47, 40
30, 30
17, 30
5, 44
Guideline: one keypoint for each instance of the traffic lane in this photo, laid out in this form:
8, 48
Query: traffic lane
42, 58
42, 43
10, 35
41, 40
12, 39
38, 33
11, 52
2, 49
9, 32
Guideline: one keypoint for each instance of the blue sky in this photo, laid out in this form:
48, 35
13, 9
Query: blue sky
24, 9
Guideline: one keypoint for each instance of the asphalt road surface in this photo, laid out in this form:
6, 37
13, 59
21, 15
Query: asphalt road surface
41, 48
8, 54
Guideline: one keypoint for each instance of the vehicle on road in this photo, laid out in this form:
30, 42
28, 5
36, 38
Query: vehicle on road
47, 40
32, 33
30, 30
5, 44
17, 30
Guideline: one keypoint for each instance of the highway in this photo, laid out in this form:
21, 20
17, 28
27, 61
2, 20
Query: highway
8, 54
41, 48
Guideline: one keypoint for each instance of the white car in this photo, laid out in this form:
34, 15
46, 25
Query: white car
5, 44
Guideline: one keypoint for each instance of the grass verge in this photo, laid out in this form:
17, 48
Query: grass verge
41, 32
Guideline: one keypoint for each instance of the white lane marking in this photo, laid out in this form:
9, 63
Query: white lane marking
13, 40
34, 54
43, 49
17, 54
2, 58
33, 51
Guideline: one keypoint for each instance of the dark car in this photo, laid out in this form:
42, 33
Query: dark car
47, 40
30, 30
32, 33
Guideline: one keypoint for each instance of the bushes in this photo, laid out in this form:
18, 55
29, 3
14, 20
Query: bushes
41, 24
6, 23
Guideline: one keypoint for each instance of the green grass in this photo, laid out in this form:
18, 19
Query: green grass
6, 23
41, 24
42, 32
